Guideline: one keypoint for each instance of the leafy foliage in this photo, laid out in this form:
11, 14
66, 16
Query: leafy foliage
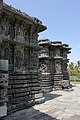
74, 70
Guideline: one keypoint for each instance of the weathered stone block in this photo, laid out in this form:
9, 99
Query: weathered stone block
3, 110
4, 65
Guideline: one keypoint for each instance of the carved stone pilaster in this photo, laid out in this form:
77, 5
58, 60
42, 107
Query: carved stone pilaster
18, 59
3, 87
45, 76
26, 59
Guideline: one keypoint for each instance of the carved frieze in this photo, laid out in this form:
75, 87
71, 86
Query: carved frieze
44, 53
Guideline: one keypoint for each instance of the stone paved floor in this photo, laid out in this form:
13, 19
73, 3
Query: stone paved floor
59, 105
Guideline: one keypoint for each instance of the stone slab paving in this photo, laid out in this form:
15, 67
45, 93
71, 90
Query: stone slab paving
59, 105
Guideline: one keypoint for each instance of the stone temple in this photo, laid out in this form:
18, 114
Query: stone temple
28, 67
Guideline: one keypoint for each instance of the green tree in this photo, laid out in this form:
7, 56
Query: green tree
71, 68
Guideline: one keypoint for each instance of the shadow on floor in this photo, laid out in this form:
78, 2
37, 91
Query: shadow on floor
29, 114
51, 96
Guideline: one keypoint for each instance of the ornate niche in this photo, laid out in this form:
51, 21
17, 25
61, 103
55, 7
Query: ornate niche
42, 53
19, 30
34, 61
27, 33
58, 69
4, 24
57, 52
8, 54
18, 58
33, 34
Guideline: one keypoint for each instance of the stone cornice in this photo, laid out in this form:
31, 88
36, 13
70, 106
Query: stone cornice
23, 16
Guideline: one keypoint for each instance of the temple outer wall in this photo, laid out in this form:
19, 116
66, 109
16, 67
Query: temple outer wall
18, 45
54, 55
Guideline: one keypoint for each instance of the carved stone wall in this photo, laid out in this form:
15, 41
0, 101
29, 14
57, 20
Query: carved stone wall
53, 60
18, 45
34, 67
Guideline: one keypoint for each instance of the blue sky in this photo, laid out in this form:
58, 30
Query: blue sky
62, 18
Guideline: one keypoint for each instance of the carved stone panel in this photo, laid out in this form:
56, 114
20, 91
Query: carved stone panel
18, 58
33, 35
5, 25
26, 59
9, 54
57, 52
34, 60
43, 53
44, 66
19, 31
58, 67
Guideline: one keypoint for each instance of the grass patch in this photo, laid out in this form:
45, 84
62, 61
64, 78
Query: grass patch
75, 82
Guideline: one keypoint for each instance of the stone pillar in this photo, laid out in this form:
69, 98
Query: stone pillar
45, 66
34, 80
3, 87
58, 75
66, 81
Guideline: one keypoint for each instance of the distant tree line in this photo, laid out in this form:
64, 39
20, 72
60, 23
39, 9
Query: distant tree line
74, 70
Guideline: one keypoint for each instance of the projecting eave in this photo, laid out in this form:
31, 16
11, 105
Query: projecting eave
65, 45
41, 28
17, 12
69, 52
25, 17
44, 42
58, 57
68, 48
56, 43
39, 24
